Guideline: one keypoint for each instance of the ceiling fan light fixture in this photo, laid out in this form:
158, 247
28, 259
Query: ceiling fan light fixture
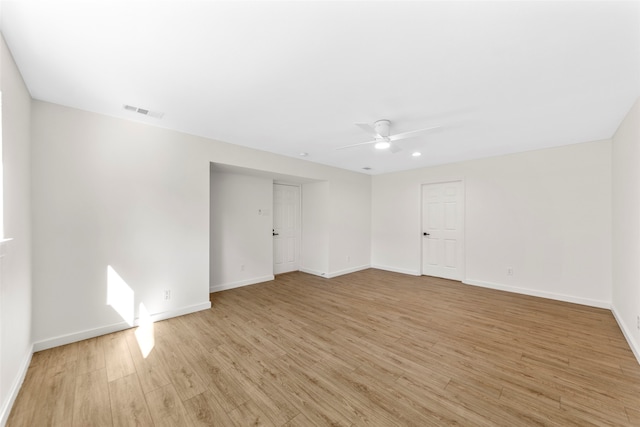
382, 137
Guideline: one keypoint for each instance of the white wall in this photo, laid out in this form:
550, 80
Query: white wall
109, 192
337, 211
626, 226
112, 192
15, 265
241, 241
315, 228
546, 214
350, 225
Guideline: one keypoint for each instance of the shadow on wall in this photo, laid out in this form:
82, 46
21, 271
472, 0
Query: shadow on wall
120, 297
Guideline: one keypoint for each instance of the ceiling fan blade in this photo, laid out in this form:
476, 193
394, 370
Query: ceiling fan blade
411, 134
368, 129
355, 145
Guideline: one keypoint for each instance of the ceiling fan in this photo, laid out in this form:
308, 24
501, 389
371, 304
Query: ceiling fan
382, 138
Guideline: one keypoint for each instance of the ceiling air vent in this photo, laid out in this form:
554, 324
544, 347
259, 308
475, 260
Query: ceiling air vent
367, 168
143, 111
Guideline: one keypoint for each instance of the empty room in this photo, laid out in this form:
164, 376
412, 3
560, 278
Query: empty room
314, 213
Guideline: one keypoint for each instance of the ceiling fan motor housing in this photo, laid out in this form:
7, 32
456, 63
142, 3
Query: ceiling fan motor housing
382, 127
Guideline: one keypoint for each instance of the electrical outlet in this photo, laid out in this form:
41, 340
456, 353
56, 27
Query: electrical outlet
167, 294
510, 271
348, 258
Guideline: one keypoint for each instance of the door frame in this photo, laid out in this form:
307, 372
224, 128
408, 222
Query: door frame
444, 180
298, 231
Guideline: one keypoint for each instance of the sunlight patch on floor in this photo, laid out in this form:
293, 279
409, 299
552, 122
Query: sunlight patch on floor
145, 333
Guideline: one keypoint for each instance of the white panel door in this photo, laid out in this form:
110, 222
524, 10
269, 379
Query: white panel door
443, 230
286, 228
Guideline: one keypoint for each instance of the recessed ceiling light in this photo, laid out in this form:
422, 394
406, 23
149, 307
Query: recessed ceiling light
303, 154
382, 145
416, 154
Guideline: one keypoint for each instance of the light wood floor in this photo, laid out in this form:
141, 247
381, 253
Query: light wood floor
370, 348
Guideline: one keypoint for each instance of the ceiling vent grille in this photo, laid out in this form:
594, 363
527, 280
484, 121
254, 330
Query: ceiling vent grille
144, 112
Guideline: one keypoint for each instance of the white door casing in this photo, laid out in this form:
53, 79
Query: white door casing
286, 228
443, 230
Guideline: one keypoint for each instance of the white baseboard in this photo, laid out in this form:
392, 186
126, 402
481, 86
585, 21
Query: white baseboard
542, 294
347, 271
178, 312
78, 336
5, 410
396, 270
314, 272
335, 273
635, 347
115, 327
232, 285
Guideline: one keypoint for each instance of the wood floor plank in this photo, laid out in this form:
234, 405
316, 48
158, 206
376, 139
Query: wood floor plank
92, 405
128, 405
151, 370
278, 410
63, 360
46, 393
368, 348
117, 356
249, 414
379, 390
440, 404
90, 356
27, 401
166, 407
299, 421
204, 410
227, 388
55, 395
355, 406
182, 375
634, 415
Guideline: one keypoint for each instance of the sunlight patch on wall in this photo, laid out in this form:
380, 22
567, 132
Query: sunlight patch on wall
120, 296
144, 333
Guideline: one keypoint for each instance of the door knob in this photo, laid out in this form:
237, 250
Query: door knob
273, 231
425, 234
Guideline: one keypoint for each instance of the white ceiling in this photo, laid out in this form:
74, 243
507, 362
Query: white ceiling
291, 77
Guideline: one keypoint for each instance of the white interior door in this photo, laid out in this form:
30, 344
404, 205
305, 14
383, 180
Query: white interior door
286, 228
443, 230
